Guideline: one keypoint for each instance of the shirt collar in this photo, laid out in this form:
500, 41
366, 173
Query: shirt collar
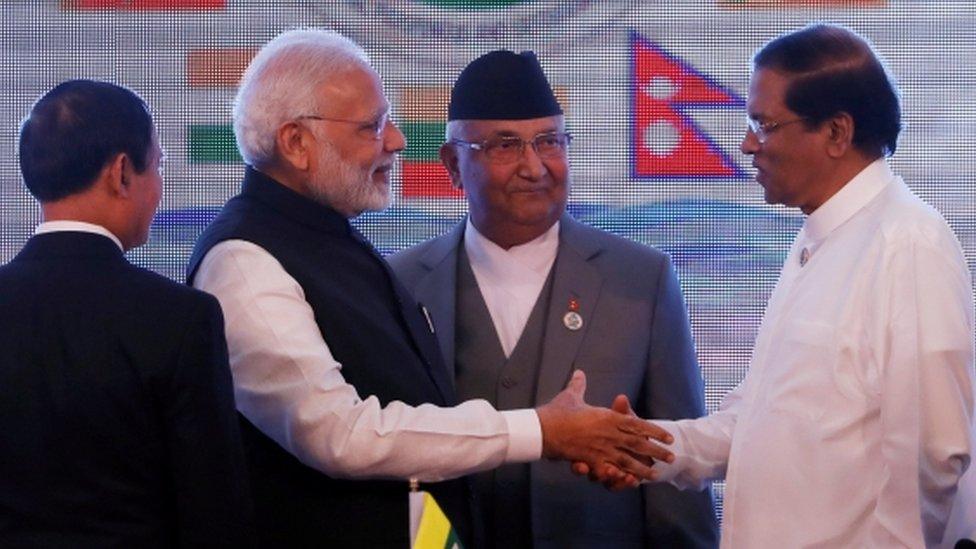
846, 202
76, 226
536, 254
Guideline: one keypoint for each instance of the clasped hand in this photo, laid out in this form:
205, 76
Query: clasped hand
609, 445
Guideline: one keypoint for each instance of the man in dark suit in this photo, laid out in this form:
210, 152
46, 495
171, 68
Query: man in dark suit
521, 294
116, 407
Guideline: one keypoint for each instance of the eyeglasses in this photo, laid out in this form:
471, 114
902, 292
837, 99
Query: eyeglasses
509, 148
373, 129
762, 129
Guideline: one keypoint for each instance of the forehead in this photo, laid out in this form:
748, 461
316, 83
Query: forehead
355, 91
522, 128
767, 94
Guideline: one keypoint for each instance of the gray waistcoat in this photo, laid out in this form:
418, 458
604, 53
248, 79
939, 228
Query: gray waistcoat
482, 371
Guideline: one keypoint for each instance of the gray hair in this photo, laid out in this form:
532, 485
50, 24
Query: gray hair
281, 83
455, 129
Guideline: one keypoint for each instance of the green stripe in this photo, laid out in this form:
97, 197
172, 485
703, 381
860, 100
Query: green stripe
453, 541
424, 140
209, 144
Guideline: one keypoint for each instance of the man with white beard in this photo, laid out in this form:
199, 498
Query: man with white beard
305, 295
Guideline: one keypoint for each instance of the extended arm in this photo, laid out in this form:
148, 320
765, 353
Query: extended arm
289, 385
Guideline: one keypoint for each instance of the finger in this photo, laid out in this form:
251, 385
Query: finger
611, 473
621, 405
640, 427
645, 450
580, 468
577, 384
628, 464
626, 483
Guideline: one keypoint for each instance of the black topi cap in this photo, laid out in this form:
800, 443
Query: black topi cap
502, 85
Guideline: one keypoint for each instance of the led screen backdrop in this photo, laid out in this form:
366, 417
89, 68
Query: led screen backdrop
654, 93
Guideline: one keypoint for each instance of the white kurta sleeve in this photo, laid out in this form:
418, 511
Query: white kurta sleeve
701, 446
927, 388
288, 384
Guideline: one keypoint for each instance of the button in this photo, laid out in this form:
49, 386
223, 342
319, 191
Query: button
508, 382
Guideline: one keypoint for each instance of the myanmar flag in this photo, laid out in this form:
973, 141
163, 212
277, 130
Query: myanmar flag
429, 527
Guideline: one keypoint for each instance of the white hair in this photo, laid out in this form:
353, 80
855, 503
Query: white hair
455, 129
281, 84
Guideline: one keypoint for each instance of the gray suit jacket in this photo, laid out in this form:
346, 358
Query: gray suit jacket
635, 340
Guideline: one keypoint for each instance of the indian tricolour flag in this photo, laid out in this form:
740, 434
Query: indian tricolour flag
212, 69
429, 526
423, 119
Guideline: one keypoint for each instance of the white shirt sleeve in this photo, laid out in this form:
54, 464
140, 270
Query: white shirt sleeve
288, 384
927, 404
701, 446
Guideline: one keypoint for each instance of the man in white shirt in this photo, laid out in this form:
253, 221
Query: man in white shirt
304, 295
852, 426
522, 293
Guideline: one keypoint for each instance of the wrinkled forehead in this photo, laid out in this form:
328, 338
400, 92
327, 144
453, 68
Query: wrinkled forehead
525, 129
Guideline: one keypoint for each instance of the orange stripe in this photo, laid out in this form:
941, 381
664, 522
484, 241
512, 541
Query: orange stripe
429, 103
425, 103
427, 180
217, 68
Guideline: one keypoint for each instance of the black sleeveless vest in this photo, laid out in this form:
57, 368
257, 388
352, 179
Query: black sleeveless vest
374, 328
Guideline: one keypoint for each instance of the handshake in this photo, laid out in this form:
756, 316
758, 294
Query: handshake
612, 446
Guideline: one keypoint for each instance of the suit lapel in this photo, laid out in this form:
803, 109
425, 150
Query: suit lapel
575, 277
437, 289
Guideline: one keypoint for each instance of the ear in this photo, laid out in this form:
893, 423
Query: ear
840, 134
115, 176
292, 143
449, 158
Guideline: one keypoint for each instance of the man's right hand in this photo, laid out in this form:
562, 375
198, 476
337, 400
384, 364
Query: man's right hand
603, 439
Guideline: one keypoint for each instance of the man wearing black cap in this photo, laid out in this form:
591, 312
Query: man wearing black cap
335, 368
522, 294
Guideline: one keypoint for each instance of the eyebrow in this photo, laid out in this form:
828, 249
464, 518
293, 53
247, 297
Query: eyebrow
386, 108
510, 133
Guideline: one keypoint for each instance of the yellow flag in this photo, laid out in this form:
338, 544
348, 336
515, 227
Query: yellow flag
429, 526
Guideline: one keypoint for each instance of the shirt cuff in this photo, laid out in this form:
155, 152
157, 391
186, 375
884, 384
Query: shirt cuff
524, 436
667, 471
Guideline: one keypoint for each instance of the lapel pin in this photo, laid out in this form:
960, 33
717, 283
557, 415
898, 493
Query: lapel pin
804, 256
572, 319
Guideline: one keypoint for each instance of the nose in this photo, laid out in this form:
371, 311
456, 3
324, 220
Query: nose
393, 139
750, 143
531, 166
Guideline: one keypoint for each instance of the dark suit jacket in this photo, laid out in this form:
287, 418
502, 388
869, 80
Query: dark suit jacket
117, 421
635, 340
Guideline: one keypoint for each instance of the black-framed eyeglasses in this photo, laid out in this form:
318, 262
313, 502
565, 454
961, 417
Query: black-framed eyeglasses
504, 149
762, 130
372, 129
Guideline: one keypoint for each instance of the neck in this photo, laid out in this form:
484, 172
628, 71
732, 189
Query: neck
71, 209
285, 177
84, 209
298, 182
840, 176
509, 237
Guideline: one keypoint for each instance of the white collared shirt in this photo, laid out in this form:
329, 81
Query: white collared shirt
76, 226
510, 280
288, 384
853, 424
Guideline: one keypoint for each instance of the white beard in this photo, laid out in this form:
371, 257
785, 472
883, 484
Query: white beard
345, 187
